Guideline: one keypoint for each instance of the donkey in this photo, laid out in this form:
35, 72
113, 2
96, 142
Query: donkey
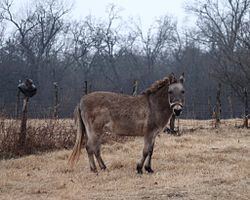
143, 115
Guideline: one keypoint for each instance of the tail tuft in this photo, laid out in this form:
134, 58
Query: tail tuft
74, 157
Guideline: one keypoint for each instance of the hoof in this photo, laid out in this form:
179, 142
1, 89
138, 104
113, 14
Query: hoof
94, 170
149, 169
103, 168
139, 169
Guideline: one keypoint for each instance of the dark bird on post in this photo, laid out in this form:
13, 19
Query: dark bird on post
27, 88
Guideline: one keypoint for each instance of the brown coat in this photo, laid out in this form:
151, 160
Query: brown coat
142, 115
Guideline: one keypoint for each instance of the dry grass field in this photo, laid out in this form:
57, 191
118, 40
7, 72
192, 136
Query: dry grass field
202, 163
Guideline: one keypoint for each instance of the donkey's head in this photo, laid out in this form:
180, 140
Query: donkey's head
176, 98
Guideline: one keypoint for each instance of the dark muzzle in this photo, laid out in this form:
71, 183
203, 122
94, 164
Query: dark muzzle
177, 112
177, 108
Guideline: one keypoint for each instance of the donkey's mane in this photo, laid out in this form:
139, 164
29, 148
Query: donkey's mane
166, 81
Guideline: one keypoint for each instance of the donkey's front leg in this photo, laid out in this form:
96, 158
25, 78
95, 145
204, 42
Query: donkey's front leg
147, 166
147, 150
141, 162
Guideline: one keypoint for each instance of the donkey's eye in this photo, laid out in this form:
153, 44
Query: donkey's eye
182, 91
170, 92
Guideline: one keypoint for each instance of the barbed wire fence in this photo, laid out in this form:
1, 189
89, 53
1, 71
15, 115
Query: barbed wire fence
195, 114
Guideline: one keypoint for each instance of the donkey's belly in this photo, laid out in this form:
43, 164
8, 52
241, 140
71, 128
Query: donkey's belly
129, 129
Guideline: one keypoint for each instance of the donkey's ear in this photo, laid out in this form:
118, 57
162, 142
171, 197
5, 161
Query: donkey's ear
172, 78
182, 79
172, 74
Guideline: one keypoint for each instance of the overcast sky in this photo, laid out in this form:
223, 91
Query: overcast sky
147, 10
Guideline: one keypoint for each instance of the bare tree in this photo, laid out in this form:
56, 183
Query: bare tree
37, 31
82, 46
97, 43
108, 36
223, 29
2, 28
158, 40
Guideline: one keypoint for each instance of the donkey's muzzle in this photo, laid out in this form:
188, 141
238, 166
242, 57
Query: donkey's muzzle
177, 112
177, 109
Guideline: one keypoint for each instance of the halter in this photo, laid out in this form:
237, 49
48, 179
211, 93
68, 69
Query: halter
176, 104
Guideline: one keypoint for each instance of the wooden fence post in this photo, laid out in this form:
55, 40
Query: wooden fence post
210, 107
218, 106
90, 88
231, 106
246, 109
193, 110
135, 88
172, 123
29, 90
85, 87
17, 104
56, 100
174, 130
23, 129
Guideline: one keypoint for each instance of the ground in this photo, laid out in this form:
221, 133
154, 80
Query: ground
200, 164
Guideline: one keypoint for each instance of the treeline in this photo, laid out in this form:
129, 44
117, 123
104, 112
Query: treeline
44, 44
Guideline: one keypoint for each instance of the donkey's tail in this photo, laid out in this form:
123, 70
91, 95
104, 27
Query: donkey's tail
74, 157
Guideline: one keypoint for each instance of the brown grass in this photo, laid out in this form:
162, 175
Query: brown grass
201, 164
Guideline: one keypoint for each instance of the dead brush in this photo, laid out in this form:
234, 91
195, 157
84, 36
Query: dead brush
42, 135
8, 137
50, 134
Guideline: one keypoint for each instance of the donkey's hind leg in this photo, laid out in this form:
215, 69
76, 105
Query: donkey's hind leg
93, 148
90, 152
99, 158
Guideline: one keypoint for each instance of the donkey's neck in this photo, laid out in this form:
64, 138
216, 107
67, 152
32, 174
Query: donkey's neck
160, 110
